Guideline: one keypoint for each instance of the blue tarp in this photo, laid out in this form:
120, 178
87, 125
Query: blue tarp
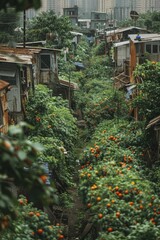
79, 65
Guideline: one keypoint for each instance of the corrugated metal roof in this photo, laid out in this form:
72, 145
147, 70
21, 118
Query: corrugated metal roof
37, 48
121, 43
17, 55
66, 83
21, 55
3, 84
121, 30
149, 37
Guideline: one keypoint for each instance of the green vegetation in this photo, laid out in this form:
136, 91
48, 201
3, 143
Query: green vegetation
31, 223
8, 23
119, 190
47, 25
149, 20
20, 5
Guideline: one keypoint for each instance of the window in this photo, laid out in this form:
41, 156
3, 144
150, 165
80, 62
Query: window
148, 48
153, 47
8, 72
45, 61
1, 114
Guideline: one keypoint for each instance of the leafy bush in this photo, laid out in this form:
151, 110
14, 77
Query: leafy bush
19, 167
52, 119
31, 223
147, 100
113, 184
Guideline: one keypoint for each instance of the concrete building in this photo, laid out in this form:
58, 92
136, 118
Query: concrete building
85, 6
120, 9
56, 6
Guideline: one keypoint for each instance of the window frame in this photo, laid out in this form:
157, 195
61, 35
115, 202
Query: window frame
42, 62
152, 46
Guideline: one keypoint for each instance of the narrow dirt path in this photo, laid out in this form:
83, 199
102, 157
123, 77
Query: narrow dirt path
74, 215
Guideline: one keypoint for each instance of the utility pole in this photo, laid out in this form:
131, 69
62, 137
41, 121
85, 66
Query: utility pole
24, 28
69, 90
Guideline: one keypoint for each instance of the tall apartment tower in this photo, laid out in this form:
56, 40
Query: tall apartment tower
152, 5
85, 7
122, 8
56, 6
70, 3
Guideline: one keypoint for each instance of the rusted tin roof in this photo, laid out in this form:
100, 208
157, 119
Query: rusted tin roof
68, 84
39, 48
3, 84
17, 55
122, 30
21, 55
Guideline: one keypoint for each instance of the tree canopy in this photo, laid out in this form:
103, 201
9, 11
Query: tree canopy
8, 23
20, 5
149, 20
49, 25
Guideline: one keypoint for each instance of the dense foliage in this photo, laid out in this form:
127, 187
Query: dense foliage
19, 167
147, 100
47, 25
20, 5
122, 203
149, 20
8, 24
31, 223
24, 165
55, 128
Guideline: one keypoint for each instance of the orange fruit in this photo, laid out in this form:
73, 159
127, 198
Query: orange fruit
98, 199
108, 205
38, 214
120, 195
40, 231
100, 215
89, 205
110, 229
131, 203
20, 201
61, 236
7, 144
118, 214
43, 178
31, 214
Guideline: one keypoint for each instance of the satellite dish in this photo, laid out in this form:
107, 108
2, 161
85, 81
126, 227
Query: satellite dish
134, 15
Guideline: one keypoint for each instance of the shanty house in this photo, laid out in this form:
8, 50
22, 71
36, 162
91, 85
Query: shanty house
128, 54
122, 34
22, 68
16, 69
46, 66
142, 47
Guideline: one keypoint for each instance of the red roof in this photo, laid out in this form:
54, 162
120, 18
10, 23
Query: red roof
3, 84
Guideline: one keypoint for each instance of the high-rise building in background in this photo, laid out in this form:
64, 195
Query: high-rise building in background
120, 9
85, 7
56, 6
